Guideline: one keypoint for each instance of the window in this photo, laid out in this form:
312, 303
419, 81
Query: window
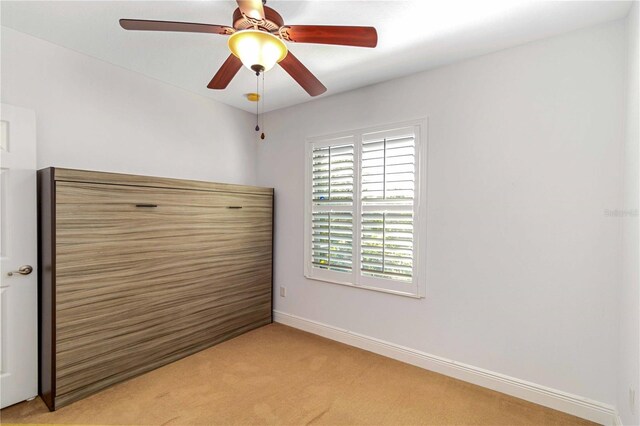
363, 213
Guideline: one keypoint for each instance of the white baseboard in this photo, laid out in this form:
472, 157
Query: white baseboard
558, 400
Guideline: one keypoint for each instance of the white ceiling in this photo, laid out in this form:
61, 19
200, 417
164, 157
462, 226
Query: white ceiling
413, 36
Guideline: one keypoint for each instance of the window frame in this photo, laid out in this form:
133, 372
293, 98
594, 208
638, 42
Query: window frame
417, 287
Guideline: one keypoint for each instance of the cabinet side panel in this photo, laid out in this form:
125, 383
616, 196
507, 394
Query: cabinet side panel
273, 238
46, 286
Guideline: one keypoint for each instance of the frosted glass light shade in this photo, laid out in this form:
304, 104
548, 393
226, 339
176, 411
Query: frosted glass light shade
255, 47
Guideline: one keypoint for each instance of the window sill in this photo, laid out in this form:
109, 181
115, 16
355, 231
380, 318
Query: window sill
377, 289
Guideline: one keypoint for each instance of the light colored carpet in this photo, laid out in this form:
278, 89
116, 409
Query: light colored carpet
280, 375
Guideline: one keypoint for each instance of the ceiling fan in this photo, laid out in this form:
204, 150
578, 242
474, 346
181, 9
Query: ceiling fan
256, 40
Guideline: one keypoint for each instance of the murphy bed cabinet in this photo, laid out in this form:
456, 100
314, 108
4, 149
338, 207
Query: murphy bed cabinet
137, 272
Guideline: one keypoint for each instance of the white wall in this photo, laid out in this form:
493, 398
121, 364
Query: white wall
94, 115
525, 149
629, 355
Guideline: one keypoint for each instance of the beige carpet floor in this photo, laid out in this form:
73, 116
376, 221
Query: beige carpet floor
280, 375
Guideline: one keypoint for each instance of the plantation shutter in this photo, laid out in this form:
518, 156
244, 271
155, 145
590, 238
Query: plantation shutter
387, 245
332, 207
333, 175
388, 168
362, 198
332, 240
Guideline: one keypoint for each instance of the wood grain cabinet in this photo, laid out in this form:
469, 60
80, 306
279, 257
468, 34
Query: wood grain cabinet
137, 272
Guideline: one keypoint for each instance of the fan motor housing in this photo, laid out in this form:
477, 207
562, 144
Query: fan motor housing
271, 23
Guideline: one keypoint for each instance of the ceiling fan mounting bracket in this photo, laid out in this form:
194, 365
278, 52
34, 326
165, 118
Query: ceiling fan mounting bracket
271, 23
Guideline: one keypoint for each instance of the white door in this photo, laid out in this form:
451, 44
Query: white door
18, 254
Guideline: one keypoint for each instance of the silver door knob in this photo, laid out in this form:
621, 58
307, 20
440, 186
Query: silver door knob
23, 270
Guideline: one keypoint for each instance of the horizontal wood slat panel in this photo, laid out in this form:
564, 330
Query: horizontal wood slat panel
146, 275
72, 175
87, 390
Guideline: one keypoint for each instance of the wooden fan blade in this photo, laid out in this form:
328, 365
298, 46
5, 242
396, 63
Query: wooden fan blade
330, 34
225, 74
187, 27
302, 75
252, 9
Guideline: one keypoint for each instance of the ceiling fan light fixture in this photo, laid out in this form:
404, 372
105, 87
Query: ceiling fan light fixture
258, 50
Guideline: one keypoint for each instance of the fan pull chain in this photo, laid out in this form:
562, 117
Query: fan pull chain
258, 103
261, 99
